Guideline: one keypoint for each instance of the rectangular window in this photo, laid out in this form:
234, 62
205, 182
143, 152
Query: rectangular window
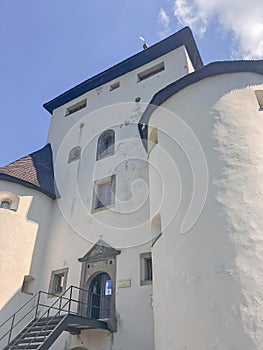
259, 96
115, 86
104, 193
151, 71
76, 107
146, 268
58, 281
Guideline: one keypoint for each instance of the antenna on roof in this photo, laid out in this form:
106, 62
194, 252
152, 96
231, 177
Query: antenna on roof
145, 46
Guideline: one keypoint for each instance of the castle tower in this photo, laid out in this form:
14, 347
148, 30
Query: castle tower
139, 217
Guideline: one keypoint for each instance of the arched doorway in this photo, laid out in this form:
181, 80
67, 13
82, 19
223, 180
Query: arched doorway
100, 291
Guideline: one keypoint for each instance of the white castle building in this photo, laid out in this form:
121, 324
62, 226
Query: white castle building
139, 224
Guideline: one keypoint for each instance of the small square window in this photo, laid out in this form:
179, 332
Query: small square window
76, 107
115, 86
104, 193
146, 269
58, 281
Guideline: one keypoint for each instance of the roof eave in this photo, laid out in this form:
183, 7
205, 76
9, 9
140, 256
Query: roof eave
210, 70
5, 177
182, 37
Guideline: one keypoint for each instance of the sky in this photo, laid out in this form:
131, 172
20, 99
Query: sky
47, 47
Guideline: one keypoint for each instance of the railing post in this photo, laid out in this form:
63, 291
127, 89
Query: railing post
60, 302
38, 299
11, 328
70, 297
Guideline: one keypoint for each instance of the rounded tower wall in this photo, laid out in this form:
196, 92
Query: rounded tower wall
24, 228
208, 259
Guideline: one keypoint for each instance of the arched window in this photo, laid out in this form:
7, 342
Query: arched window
105, 146
8, 200
74, 154
6, 204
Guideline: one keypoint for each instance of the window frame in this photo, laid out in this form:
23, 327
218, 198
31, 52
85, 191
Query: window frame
110, 150
96, 199
115, 86
76, 107
146, 277
9, 202
74, 154
53, 292
151, 71
13, 199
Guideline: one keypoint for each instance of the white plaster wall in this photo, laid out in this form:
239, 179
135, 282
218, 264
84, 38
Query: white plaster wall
133, 308
75, 227
22, 245
208, 285
177, 65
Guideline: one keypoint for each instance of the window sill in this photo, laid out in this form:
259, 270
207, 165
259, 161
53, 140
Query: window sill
95, 210
106, 156
29, 293
146, 283
54, 295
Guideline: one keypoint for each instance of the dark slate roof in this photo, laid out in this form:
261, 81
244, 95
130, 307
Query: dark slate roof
210, 70
182, 37
34, 171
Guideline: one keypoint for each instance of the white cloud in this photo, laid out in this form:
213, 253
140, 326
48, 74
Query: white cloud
242, 18
164, 21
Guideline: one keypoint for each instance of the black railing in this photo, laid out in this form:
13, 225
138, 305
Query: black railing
70, 302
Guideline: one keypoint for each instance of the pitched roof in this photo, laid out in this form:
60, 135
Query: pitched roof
180, 38
34, 171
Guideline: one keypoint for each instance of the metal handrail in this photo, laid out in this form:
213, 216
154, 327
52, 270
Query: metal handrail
65, 308
12, 318
56, 315
2, 324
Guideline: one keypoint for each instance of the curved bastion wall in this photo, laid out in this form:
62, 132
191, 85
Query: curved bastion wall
208, 261
23, 234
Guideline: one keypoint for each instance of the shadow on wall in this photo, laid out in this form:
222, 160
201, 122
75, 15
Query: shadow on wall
8, 310
41, 214
22, 246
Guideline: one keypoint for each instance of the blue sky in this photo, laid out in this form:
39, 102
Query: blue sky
49, 46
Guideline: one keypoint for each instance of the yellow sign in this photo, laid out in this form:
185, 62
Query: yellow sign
124, 283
